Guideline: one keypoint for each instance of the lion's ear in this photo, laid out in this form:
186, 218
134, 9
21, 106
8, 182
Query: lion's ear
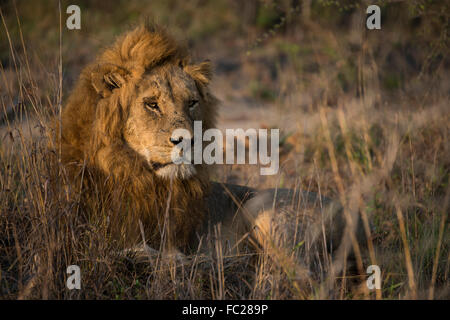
106, 78
201, 73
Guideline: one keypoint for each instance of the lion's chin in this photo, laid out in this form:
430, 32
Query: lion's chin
176, 171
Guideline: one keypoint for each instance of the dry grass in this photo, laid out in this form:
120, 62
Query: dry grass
359, 130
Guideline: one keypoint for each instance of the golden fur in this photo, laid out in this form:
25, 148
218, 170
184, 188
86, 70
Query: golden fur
95, 148
116, 140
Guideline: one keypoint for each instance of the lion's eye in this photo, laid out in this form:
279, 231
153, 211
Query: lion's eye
193, 104
151, 105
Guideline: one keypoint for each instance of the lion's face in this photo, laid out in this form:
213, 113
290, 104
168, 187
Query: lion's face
166, 99
116, 128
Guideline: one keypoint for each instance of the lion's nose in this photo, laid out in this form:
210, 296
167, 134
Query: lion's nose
176, 141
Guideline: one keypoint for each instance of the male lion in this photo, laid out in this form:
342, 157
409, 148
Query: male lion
117, 141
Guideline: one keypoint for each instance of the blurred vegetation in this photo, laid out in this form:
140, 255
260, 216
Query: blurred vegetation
283, 35
361, 94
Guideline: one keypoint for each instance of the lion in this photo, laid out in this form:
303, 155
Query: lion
116, 142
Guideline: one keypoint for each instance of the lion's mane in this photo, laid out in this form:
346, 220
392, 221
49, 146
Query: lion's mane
114, 180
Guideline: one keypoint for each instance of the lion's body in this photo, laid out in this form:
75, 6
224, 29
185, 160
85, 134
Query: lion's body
94, 149
116, 140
